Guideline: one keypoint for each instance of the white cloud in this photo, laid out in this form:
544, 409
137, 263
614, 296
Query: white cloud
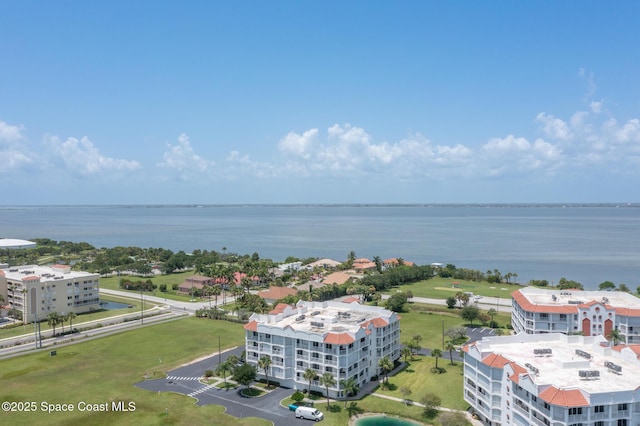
596, 106
81, 157
554, 127
14, 152
10, 133
299, 145
183, 159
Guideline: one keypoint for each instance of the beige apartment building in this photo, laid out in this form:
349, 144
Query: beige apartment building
37, 291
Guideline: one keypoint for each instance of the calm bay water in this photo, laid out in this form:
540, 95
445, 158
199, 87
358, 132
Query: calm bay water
588, 244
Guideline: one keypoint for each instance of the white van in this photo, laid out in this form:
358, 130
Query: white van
309, 413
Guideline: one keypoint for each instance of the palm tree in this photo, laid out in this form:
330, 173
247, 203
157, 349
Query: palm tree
327, 380
436, 353
350, 387
615, 336
53, 320
492, 313
215, 291
387, 365
450, 347
406, 352
378, 262
222, 369
264, 363
309, 375
71, 316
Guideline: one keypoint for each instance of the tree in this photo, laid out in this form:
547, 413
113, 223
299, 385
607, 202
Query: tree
396, 302
327, 381
492, 313
309, 375
53, 320
606, 285
264, 363
70, 317
436, 353
386, 365
298, 397
406, 352
470, 313
565, 284
245, 374
222, 368
406, 393
451, 302
615, 336
623, 287
378, 262
431, 402
350, 387
450, 347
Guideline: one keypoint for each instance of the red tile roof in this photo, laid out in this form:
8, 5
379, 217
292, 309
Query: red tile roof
252, 326
395, 261
522, 300
276, 293
280, 307
338, 338
564, 397
377, 323
351, 299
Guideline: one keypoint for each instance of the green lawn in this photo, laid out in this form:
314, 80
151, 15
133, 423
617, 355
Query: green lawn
170, 279
441, 288
105, 370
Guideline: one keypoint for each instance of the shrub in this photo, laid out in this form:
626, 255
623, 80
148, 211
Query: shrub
297, 396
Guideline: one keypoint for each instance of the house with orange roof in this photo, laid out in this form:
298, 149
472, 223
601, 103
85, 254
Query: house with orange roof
273, 293
552, 379
344, 340
364, 264
539, 310
394, 262
337, 278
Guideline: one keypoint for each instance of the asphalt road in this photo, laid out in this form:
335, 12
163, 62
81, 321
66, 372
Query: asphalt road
184, 380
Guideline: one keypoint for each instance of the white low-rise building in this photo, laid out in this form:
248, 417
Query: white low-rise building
37, 291
590, 313
344, 339
552, 380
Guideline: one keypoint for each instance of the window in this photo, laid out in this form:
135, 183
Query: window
575, 410
622, 422
623, 407
598, 409
563, 317
329, 346
600, 423
544, 316
315, 344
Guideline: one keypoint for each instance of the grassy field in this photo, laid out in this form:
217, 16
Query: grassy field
171, 279
441, 288
105, 370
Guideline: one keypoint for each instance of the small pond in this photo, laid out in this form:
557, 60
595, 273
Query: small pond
383, 421
111, 305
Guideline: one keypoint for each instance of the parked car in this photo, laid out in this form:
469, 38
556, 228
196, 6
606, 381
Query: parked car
309, 413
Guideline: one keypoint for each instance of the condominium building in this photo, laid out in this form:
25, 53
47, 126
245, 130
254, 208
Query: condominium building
552, 380
346, 340
590, 313
36, 291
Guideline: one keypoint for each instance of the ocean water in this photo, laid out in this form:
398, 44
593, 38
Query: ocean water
589, 244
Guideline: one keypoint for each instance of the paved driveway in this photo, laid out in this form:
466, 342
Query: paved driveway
184, 380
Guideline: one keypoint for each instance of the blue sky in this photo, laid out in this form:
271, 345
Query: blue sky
118, 102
